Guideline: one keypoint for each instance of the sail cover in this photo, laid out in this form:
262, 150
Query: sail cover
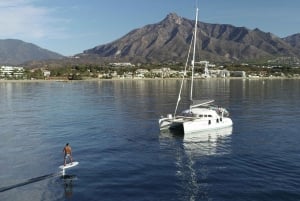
197, 103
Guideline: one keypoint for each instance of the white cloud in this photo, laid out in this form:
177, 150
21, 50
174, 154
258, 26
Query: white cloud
22, 19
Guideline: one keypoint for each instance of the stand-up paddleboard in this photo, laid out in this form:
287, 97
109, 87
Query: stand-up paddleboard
69, 165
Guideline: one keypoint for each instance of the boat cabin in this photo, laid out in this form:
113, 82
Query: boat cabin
200, 113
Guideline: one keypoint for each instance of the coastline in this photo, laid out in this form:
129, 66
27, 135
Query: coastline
122, 79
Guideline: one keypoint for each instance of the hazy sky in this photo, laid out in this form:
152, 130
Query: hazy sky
71, 26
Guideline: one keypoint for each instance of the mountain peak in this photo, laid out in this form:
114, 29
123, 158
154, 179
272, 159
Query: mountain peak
174, 18
16, 52
169, 39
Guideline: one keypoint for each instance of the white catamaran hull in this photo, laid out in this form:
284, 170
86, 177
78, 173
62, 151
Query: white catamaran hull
204, 125
194, 124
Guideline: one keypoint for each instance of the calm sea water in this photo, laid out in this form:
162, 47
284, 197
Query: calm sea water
112, 127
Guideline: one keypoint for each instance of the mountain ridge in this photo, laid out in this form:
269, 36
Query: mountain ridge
17, 52
168, 40
165, 41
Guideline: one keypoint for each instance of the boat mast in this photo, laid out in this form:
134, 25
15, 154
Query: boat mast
194, 50
183, 76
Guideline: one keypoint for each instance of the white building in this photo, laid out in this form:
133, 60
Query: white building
122, 64
46, 73
219, 73
140, 73
11, 71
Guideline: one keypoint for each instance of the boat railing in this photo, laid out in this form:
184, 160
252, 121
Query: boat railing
219, 110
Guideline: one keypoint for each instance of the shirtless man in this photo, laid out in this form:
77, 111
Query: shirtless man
67, 153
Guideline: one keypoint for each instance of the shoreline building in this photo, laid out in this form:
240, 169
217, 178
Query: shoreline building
11, 71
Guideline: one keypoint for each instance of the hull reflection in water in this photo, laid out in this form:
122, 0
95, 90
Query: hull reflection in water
204, 142
192, 151
208, 142
210, 135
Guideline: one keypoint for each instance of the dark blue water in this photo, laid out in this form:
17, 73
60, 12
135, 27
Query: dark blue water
112, 127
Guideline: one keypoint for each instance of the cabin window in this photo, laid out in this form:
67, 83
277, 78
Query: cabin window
188, 114
209, 115
217, 120
209, 122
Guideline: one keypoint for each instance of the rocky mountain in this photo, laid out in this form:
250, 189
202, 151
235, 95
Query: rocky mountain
169, 40
293, 40
16, 52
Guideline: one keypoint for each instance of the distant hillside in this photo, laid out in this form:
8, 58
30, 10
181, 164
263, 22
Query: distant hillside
16, 52
293, 40
169, 40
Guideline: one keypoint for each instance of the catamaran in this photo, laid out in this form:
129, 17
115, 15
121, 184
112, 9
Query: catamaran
202, 115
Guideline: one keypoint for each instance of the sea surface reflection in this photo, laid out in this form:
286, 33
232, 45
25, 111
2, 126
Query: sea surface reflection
112, 127
192, 151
